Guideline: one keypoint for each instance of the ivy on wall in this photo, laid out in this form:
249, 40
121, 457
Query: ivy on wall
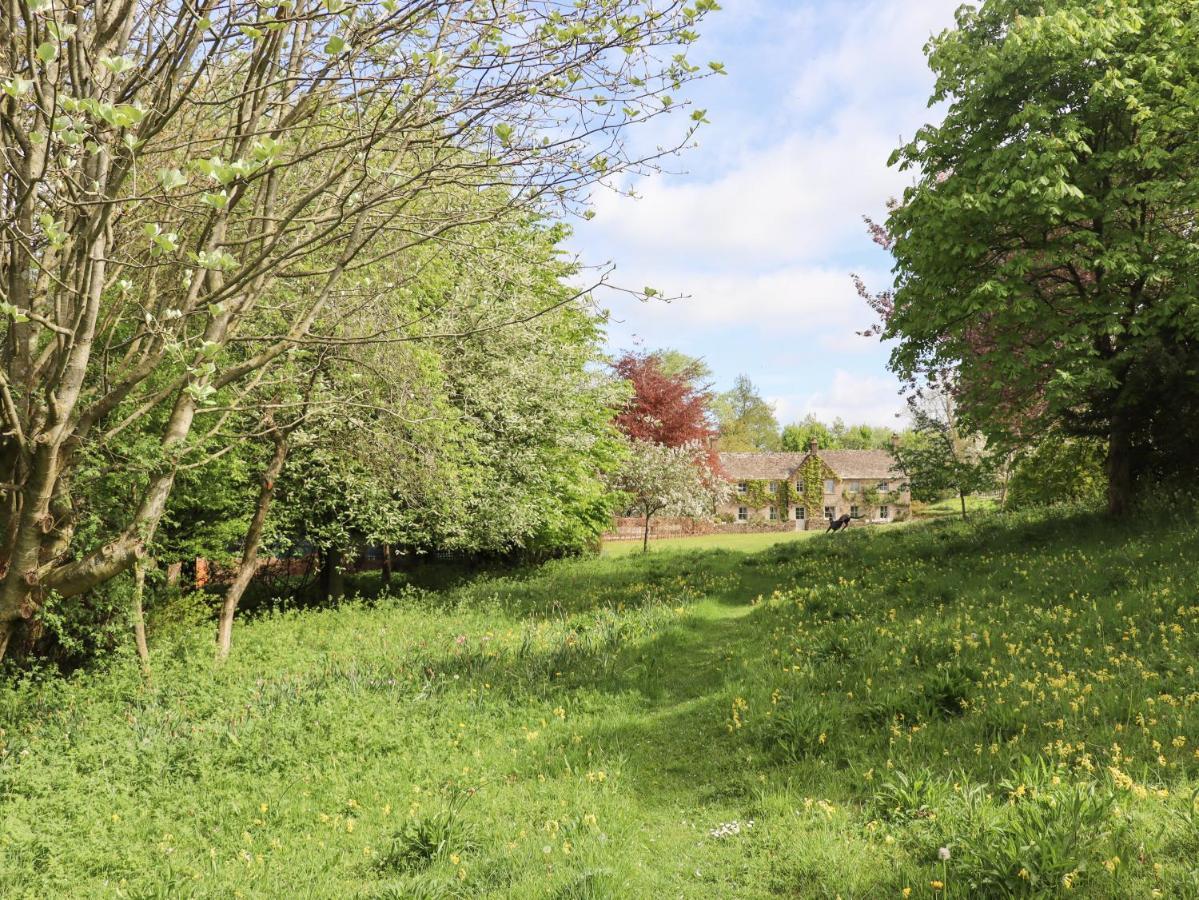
814, 473
759, 496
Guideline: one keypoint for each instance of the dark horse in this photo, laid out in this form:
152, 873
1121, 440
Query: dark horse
838, 524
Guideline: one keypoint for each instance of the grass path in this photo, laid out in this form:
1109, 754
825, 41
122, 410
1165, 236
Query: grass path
578, 732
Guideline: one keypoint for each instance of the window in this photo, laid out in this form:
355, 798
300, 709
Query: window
883, 487
799, 514
830, 486
884, 512
853, 512
799, 488
774, 514
742, 513
742, 487
855, 486
774, 486
830, 513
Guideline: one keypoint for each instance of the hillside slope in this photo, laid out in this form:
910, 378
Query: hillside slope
814, 720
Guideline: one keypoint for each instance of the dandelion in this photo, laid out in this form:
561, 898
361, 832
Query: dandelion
937, 885
943, 854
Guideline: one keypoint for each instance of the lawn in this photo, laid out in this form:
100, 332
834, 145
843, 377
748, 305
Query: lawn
745, 543
953, 507
818, 718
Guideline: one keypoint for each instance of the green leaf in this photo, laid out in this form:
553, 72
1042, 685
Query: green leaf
335, 45
118, 65
17, 86
215, 200
171, 179
47, 51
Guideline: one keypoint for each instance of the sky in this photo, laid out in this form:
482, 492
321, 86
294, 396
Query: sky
759, 227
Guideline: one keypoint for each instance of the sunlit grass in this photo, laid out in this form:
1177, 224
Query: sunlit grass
818, 718
743, 543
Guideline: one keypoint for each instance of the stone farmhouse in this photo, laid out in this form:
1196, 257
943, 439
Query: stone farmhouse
811, 488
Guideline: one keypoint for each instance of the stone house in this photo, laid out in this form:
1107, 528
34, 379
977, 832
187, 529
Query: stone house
811, 488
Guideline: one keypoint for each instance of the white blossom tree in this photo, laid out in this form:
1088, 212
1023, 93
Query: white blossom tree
656, 478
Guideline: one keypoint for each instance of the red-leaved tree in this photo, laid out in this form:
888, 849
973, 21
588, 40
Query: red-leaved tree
671, 409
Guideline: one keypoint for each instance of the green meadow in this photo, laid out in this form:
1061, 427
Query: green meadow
996, 708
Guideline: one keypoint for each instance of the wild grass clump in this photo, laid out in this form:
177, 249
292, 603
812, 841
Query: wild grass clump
426, 839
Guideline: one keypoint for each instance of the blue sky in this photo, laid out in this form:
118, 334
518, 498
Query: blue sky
760, 226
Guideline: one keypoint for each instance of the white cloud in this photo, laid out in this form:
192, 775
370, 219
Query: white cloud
799, 199
869, 399
764, 240
794, 299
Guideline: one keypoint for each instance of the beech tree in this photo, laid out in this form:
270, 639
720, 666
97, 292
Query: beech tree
666, 407
188, 190
1046, 252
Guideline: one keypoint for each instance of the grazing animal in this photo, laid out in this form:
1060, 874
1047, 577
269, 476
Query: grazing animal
838, 524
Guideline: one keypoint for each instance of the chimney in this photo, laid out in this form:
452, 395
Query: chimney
894, 442
813, 445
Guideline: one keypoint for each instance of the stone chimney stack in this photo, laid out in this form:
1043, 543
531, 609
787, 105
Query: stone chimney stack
813, 445
894, 442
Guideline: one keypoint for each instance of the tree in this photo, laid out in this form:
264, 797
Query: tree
669, 408
187, 192
1045, 254
940, 455
747, 421
657, 478
1058, 469
798, 437
693, 368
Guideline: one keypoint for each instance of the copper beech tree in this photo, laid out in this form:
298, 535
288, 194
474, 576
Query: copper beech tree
669, 408
186, 189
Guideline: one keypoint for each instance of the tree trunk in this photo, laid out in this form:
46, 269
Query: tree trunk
1119, 465
645, 535
332, 583
249, 556
386, 566
962, 496
139, 617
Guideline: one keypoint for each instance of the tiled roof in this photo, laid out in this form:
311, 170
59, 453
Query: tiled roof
781, 466
760, 466
861, 463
